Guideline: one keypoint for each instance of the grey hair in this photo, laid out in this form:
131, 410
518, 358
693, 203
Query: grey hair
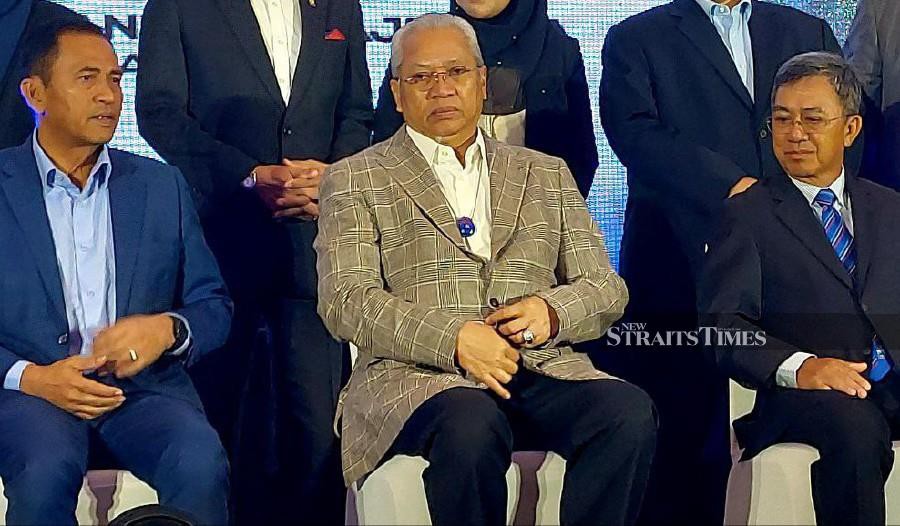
432, 21
829, 66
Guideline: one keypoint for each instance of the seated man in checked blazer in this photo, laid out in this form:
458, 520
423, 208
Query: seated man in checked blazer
812, 258
464, 269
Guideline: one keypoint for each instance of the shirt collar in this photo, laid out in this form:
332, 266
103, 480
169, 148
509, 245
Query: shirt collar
430, 148
49, 171
710, 7
810, 191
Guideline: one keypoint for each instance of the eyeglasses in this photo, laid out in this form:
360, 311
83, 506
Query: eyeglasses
424, 81
811, 124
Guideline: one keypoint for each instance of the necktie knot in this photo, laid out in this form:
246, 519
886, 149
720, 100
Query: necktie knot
825, 197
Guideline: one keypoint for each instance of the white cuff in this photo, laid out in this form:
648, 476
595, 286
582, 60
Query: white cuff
187, 343
13, 380
786, 376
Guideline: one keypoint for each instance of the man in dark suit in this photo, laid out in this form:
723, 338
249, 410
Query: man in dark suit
251, 99
108, 288
19, 20
813, 262
683, 102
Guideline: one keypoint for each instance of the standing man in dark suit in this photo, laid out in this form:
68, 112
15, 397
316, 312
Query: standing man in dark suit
683, 101
107, 289
19, 20
873, 49
252, 100
813, 261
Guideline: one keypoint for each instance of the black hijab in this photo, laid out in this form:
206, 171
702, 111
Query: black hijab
515, 37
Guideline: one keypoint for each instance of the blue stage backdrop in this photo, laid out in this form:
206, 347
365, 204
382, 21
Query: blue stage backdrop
586, 20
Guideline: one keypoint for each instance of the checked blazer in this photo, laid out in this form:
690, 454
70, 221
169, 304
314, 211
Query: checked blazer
396, 279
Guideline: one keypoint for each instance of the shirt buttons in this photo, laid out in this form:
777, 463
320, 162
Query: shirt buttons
91, 294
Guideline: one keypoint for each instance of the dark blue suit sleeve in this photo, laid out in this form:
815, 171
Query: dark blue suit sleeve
581, 156
387, 119
7, 360
204, 300
630, 118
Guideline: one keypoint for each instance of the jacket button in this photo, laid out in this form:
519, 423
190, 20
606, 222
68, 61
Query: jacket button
63, 339
287, 131
763, 134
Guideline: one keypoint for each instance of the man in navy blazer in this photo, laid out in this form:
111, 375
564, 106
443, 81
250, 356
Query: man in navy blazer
811, 263
107, 287
683, 101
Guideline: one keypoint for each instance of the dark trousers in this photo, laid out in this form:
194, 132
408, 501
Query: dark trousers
853, 438
605, 429
164, 441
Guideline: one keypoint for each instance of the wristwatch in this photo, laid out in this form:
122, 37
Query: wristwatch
180, 334
250, 180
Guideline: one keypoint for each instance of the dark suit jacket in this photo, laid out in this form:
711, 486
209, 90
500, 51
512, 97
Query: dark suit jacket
772, 268
681, 121
209, 103
18, 122
162, 265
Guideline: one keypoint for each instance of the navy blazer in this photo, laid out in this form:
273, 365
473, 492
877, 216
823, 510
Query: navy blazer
772, 268
162, 265
682, 122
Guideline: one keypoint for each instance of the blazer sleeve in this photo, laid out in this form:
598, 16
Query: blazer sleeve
730, 297
7, 360
203, 300
387, 119
862, 51
582, 143
353, 302
213, 169
590, 296
628, 112
353, 117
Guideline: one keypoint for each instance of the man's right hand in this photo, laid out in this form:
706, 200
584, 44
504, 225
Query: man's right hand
63, 384
271, 186
487, 356
834, 374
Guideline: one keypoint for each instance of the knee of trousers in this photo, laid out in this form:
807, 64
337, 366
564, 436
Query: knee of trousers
200, 467
472, 433
859, 435
45, 478
633, 421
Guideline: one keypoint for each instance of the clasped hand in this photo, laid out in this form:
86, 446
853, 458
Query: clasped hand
291, 189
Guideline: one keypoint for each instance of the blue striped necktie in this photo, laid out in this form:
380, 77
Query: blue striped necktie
842, 242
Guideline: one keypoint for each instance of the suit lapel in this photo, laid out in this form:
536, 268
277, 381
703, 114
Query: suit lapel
127, 203
311, 48
764, 35
245, 27
22, 185
695, 25
406, 165
865, 228
794, 211
507, 179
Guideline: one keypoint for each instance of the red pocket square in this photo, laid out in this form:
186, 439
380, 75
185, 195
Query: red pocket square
335, 34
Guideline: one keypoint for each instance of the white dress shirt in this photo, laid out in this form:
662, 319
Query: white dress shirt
466, 188
281, 29
786, 376
733, 26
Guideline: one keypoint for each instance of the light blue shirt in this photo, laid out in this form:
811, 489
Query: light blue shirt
733, 25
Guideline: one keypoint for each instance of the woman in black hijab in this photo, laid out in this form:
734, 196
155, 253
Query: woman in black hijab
537, 89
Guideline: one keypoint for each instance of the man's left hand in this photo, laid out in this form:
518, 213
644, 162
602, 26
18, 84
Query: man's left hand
145, 337
531, 313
